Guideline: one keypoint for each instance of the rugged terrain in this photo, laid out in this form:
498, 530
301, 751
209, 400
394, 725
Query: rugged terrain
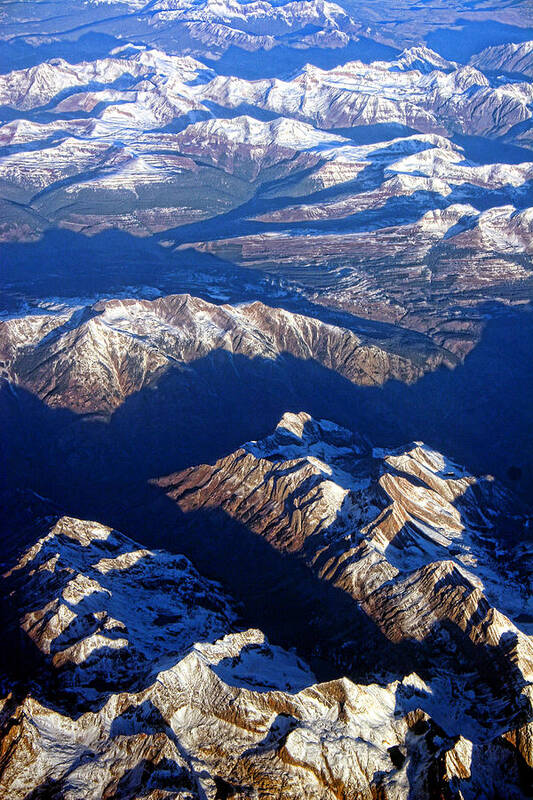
122, 390
406, 533
127, 674
91, 359
335, 184
223, 224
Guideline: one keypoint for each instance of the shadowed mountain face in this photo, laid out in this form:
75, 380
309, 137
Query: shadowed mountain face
249, 251
391, 186
324, 542
128, 669
126, 391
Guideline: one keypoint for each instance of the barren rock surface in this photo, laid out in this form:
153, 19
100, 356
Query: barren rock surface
161, 695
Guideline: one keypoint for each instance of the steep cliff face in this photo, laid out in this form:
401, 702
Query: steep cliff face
517, 58
415, 541
91, 359
142, 685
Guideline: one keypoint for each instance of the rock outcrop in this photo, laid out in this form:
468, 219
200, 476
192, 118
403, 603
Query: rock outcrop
142, 685
91, 359
415, 541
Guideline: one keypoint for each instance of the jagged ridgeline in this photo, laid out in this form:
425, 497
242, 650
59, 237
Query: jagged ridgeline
139, 677
266, 428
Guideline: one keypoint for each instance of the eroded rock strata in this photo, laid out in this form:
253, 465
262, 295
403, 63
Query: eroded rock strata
147, 686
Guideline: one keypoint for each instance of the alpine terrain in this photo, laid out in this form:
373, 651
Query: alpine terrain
266, 429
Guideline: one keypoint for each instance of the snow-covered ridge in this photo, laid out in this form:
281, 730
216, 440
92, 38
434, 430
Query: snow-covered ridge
510, 57
287, 14
107, 599
146, 127
460, 100
213, 26
407, 533
412, 505
280, 132
160, 692
447, 97
107, 352
423, 59
122, 106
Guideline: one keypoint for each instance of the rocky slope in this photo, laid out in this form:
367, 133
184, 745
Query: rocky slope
517, 58
421, 546
272, 174
144, 687
91, 359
